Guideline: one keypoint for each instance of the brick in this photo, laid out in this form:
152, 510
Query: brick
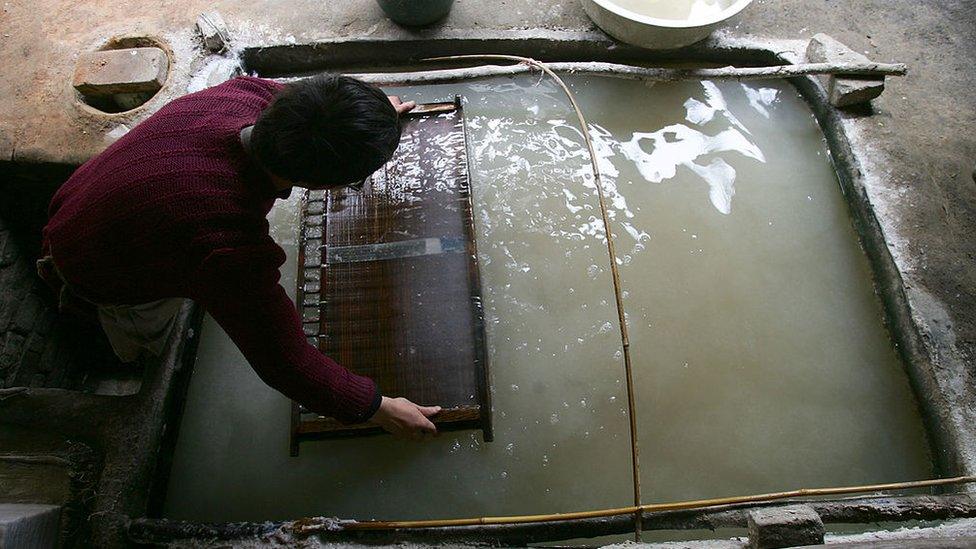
52, 358
28, 311
842, 91
13, 348
133, 70
45, 321
785, 527
7, 306
17, 278
8, 250
36, 342
29, 361
846, 92
12, 293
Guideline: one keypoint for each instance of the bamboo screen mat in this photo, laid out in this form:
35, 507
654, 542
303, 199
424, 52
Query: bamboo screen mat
389, 283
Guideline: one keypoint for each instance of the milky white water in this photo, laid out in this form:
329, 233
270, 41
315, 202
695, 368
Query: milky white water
679, 10
760, 359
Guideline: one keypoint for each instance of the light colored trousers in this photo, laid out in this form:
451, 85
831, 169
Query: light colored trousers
134, 328
131, 329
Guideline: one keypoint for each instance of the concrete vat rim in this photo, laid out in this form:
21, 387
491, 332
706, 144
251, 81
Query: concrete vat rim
725, 14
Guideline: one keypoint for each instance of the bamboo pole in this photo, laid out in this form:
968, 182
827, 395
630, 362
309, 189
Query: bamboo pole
650, 508
857, 509
611, 251
631, 72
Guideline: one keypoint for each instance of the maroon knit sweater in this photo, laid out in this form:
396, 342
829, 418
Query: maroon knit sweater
176, 208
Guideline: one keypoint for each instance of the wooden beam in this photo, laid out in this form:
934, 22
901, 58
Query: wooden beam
326, 425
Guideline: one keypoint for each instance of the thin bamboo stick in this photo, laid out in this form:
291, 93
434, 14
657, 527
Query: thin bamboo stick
858, 509
611, 251
632, 72
652, 507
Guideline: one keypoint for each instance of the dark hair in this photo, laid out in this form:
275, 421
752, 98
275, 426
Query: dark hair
326, 131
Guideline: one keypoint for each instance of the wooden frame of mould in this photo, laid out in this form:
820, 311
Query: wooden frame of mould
389, 282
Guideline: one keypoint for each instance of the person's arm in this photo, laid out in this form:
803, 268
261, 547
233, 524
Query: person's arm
239, 288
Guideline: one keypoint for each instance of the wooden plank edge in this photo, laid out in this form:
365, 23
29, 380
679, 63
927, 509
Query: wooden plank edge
431, 108
296, 417
482, 365
447, 417
294, 437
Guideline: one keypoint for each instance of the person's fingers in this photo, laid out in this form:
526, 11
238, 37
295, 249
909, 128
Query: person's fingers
427, 426
404, 108
425, 430
429, 410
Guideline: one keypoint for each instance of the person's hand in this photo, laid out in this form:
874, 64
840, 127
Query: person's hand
401, 107
404, 419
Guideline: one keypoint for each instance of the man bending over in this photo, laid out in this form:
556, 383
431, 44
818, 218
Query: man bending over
176, 209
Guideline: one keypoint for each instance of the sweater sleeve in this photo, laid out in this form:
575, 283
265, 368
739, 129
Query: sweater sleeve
240, 288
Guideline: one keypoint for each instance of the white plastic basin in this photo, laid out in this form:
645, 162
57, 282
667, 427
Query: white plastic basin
661, 24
